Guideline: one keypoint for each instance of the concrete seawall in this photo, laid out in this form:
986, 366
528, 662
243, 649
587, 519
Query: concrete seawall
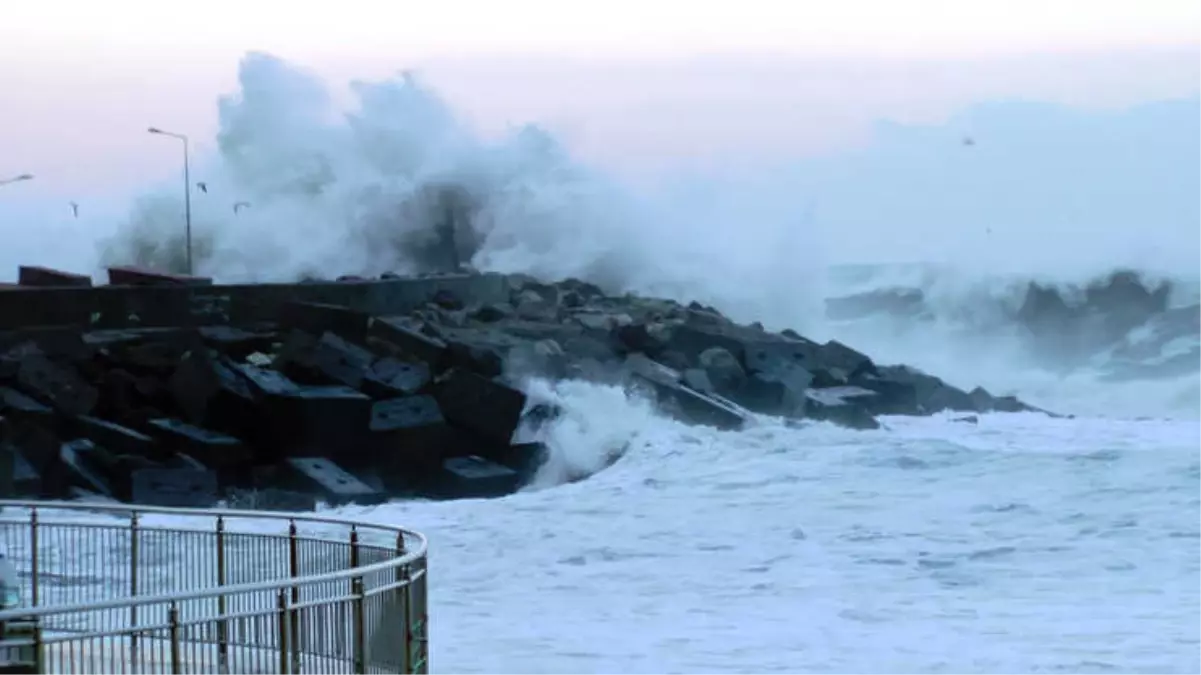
116, 307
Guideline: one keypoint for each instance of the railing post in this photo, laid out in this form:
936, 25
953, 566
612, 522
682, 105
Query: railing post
360, 625
285, 632
173, 626
39, 657
294, 570
403, 575
422, 635
401, 595
133, 585
33, 554
222, 622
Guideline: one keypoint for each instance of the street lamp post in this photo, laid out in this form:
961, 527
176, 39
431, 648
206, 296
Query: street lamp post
17, 179
187, 193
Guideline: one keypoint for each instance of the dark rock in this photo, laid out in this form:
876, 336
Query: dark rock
843, 406
409, 437
317, 318
893, 396
697, 380
179, 486
407, 336
475, 477
21, 407
491, 313
665, 387
26, 482
263, 382
421, 404
77, 468
848, 363
317, 421
117, 438
524, 458
340, 361
480, 405
325, 478
477, 353
56, 385
213, 450
723, 369
674, 360
544, 358
211, 394
930, 394
236, 342
446, 299
649, 339
390, 377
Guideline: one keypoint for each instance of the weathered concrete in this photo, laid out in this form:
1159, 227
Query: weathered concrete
141, 276
31, 275
116, 307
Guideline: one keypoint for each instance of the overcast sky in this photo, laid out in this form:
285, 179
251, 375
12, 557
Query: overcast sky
629, 84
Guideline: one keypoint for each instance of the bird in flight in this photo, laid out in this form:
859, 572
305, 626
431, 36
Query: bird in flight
204, 187
74, 209
238, 206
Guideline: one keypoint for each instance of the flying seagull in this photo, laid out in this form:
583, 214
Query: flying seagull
969, 141
74, 209
239, 206
203, 186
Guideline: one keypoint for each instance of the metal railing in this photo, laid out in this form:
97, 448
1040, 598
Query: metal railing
132, 589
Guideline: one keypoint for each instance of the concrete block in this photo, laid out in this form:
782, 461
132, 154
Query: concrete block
264, 381
32, 275
474, 477
213, 450
407, 336
21, 407
340, 361
317, 420
408, 437
26, 481
483, 406
328, 481
179, 486
389, 377
55, 384
78, 466
847, 406
117, 438
211, 393
666, 387
317, 318
141, 276
524, 458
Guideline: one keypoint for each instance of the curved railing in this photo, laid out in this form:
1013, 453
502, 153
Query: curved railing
132, 589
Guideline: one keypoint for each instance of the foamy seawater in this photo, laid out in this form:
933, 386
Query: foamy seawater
1021, 544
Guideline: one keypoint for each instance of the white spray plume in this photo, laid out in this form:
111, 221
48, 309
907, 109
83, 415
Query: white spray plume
364, 192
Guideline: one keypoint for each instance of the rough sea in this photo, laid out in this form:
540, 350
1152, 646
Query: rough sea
1015, 543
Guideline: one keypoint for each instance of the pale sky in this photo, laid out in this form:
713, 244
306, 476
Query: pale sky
659, 79
610, 27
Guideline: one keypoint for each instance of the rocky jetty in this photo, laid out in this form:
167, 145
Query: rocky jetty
172, 391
